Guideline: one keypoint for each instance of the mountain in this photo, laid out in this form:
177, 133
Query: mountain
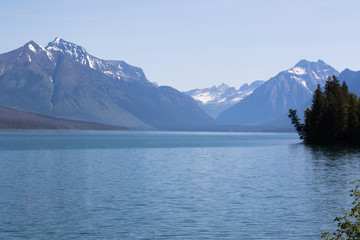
352, 79
63, 80
216, 99
292, 88
15, 119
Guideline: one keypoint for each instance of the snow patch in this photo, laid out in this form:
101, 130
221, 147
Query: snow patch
31, 47
237, 99
54, 48
316, 76
300, 80
29, 58
247, 94
297, 71
68, 52
75, 52
222, 87
303, 83
296, 78
91, 64
108, 73
42, 48
204, 97
50, 56
57, 40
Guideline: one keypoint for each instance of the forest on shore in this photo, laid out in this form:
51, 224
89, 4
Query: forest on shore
333, 118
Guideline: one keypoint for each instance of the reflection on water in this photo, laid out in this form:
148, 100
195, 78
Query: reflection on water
334, 168
335, 152
114, 185
335, 164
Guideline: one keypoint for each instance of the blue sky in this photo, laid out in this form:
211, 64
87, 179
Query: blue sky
194, 43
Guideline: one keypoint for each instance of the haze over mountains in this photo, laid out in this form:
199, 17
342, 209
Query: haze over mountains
16, 119
62, 80
352, 79
291, 88
216, 99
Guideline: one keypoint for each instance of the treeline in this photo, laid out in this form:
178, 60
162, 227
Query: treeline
333, 118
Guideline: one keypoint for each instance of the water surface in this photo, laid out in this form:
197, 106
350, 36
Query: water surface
170, 185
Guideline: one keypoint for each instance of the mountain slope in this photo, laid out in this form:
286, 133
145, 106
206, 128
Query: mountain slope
216, 99
352, 79
289, 89
15, 119
63, 80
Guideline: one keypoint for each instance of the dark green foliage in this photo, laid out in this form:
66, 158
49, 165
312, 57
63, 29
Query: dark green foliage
333, 117
349, 224
296, 122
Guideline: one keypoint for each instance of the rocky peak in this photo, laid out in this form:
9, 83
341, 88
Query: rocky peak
307, 73
69, 48
73, 50
115, 69
222, 87
306, 66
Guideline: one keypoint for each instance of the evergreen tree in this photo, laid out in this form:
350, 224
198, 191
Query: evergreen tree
353, 118
296, 122
333, 118
314, 116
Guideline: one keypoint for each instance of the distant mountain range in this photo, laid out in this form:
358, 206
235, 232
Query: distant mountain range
63, 80
270, 102
216, 99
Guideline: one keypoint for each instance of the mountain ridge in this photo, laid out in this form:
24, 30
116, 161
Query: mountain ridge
216, 99
63, 80
352, 79
290, 88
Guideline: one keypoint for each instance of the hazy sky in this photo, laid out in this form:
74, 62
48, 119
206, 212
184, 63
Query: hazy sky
194, 43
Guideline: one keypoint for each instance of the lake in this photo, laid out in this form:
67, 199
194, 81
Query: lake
170, 185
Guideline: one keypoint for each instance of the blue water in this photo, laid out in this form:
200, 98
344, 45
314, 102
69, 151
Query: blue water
165, 185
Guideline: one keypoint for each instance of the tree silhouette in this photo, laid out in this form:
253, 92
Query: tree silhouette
333, 118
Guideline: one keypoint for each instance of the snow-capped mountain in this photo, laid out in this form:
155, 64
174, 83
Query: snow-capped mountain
116, 69
289, 89
216, 99
63, 80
